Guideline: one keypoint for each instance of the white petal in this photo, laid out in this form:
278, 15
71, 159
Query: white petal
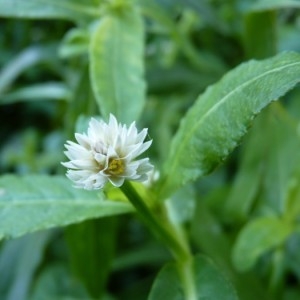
100, 158
132, 132
76, 151
82, 164
77, 175
141, 136
113, 124
139, 149
95, 130
83, 140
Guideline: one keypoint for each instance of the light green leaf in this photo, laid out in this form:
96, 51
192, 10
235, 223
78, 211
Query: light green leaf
264, 5
214, 125
116, 65
279, 173
208, 281
258, 237
38, 202
74, 43
38, 92
51, 9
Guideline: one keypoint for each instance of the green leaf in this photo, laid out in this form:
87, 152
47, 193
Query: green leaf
292, 200
279, 173
209, 282
248, 178
209, 236
23, 61
264, 5
17, 267
116, 65
47, 9
266, 170
38, 202
99, 246
74, 43
56, 282
258, 237
181, 206
215, 124
82, 104
260, 34
38, 92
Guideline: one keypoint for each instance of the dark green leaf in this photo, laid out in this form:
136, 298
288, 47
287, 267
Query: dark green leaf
56, 282
211, 238
99, 238
260, 34
208, 281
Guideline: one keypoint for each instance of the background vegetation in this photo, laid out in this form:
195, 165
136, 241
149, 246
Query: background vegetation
58, 68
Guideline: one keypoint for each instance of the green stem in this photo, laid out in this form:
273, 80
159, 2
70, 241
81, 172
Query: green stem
188, 279
162, 227
162, 230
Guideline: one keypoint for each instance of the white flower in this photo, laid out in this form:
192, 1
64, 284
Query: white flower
107, 153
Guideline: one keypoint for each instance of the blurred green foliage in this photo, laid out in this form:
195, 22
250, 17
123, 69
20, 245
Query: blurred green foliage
244, 216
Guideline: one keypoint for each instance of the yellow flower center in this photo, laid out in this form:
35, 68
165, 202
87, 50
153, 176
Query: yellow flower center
115, 166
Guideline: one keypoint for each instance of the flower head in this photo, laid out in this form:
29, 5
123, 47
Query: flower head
107, 152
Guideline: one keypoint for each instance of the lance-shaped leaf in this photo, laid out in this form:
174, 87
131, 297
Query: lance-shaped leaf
264, 5
48, 9
116, 65
37, 202
214, 125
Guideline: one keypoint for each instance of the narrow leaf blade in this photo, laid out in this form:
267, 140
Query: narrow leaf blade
264, 5
37, 202
46, 9
213, 127
38, 92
